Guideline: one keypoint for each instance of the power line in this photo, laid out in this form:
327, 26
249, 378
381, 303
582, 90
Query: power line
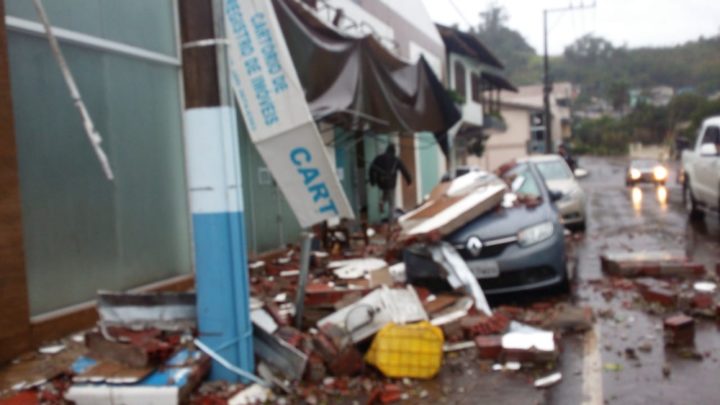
457, 10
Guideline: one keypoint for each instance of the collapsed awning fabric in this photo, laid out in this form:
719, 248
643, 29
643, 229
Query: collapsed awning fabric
344, 75
498, 82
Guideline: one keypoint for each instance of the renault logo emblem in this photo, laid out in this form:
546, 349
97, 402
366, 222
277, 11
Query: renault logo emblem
474, 245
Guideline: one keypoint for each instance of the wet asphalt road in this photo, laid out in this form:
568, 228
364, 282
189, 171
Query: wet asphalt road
595, 366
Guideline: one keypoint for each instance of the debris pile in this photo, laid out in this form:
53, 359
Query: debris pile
142, 346
356, 329
362, 327
650, 264
667, 284
660, 283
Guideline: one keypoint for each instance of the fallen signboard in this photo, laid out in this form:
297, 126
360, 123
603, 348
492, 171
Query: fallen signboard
277, 117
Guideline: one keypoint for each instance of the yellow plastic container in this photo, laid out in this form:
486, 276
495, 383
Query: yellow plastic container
414, 350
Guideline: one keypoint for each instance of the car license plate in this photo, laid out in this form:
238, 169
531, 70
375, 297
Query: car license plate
484, 268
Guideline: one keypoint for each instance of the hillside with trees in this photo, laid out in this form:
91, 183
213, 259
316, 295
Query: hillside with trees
606, 71
601, 67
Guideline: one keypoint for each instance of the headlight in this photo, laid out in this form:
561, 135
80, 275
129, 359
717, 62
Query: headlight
635, 174
571, 195
660, 173
535, 234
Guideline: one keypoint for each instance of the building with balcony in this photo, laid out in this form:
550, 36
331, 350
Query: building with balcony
475, 80
524, 118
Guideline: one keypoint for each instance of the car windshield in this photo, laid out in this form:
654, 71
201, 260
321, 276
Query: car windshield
554, 170
522, 182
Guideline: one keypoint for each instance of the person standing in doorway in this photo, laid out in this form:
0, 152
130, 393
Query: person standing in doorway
383, 174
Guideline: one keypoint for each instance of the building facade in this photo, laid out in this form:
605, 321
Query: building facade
523, 123
525, 128
80, 231
475, 79
66, 225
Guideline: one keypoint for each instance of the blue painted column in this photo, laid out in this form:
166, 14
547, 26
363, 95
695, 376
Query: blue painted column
213, 162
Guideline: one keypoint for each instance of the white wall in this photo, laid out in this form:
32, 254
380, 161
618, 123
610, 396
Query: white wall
435, 63
532, 96
506, 146
357, 14
472, 112
414, 12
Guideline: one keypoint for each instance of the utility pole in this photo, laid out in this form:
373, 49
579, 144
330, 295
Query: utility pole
213, 168
547, 88
547, 82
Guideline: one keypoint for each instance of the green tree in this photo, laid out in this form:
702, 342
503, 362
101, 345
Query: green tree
597, 65
589, 50
618, 94
493, 19
683, 106
507, 44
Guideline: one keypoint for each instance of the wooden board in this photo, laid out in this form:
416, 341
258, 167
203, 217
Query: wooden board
448, 214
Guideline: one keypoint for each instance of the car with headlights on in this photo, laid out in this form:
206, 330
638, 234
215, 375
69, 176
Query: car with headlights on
518, 247
558, 177
646, 171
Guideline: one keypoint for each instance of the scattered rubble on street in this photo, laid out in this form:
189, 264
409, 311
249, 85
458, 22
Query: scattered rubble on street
363, 331
675, 292
661, 283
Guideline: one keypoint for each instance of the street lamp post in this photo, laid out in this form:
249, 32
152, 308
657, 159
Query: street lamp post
547, 83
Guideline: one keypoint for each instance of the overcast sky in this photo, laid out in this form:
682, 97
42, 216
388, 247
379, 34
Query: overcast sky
631, 22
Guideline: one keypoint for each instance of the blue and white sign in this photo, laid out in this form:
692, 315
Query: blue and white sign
276, 114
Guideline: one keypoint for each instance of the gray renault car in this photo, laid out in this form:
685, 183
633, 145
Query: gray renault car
517, 247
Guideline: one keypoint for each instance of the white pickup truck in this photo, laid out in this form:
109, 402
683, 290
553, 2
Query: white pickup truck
701, 171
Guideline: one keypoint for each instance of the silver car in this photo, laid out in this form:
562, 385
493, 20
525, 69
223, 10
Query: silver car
560, 179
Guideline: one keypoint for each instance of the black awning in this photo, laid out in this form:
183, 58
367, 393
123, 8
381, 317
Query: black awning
498, 82
469, 45
347, 79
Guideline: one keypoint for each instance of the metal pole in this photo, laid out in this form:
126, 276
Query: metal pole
547, 84
307, 238
452, 152
215, 186
547, 88
90, 130
279, 214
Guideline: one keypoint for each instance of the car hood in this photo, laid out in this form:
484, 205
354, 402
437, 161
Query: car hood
503, 222
644, 169
563, 186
